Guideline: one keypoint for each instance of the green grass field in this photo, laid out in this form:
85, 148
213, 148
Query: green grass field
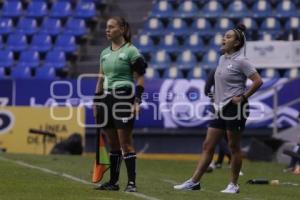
155, 180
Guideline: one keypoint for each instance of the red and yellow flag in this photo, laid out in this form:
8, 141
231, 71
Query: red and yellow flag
101, 164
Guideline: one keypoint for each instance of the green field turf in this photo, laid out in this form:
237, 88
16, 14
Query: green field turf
155, 180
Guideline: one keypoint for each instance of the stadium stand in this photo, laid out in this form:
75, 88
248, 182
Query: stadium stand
199, 26
77, 28
32, 31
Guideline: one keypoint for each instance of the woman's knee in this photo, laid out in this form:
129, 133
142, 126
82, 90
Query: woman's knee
234, 147
127, 148
207, 147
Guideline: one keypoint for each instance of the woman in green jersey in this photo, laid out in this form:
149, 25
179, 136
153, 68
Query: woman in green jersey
118, 95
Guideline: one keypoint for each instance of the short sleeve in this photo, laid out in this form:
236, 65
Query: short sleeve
133, 54
247, 67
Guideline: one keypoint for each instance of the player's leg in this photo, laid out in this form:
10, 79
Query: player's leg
234, 139
212, 138
115, 157
129, 155
238, 114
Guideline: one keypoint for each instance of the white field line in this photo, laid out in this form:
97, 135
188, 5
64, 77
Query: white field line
68, 176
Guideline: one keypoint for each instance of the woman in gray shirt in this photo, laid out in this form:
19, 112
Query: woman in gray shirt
231, 107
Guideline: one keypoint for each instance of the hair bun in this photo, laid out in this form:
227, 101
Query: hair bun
241, 27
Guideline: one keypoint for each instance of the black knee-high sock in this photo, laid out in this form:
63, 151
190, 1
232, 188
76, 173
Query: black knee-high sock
115, 164
130, 161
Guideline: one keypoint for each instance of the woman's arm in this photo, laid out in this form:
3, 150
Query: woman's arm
256, 83
99, 86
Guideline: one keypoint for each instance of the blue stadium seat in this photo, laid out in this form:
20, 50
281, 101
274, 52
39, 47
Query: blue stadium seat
162, 9
60, 9
270, 73
212, 9
194, 43
65, 43
173, 73
85, 10
250, 23
210, 59
252, 28
216, 41
56, 59
45, 73
160, 60
202, 26
6, 58
12, 9
292, 73
197, 73
145, 44
154, 27
186, 60
41, 42
29, 58
187, 9
293, 23
178, 27
16, 42
6, 26
37, 9
21, 73
271, 25
286, 8
75, 27
223, 24
169, 43
262, 9
266, 36
152, 73
51, 26
237, 9
27, 26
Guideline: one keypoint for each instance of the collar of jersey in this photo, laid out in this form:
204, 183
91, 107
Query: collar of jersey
233, 55
118, 48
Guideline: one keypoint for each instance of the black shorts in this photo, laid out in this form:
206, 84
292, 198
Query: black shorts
115, 109
232, 117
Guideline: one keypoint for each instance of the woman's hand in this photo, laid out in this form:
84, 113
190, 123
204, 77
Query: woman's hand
136, 109
237, 100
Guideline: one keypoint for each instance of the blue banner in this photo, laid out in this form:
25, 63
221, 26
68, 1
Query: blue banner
169, 103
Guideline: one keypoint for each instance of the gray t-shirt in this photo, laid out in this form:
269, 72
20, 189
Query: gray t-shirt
230, 77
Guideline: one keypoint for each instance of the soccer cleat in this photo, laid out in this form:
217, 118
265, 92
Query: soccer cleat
108, 186
188, 185
231, 189
130, 187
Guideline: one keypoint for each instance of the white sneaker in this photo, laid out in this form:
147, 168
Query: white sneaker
231, 189
188, 185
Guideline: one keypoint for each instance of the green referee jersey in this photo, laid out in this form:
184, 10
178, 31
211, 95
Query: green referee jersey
116, 66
